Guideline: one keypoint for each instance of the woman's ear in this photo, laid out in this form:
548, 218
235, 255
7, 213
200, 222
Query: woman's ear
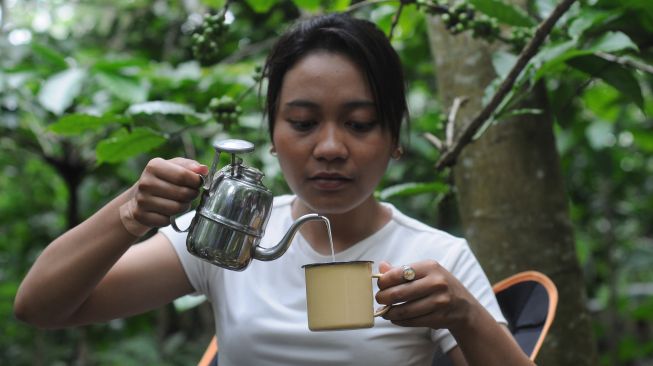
273, 150
398, 152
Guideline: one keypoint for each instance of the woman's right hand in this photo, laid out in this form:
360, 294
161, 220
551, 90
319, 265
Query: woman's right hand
165, 188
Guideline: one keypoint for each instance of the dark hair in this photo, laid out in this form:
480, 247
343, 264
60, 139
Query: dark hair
359, 40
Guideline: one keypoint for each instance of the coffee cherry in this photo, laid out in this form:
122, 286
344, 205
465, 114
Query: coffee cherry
206, 38
225, 110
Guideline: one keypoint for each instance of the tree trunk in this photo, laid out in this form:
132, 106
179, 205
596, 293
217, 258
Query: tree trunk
511, 195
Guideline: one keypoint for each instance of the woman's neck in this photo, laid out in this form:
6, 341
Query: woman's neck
347, 228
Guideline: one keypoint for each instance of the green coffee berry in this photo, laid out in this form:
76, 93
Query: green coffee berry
206, 38
225, 110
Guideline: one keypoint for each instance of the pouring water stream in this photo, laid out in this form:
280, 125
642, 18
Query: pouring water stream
328, 225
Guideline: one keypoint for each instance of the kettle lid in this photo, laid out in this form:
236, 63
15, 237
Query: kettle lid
234, 146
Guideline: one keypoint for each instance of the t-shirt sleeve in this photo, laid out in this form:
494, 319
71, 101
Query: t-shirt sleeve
465, 267
195, 268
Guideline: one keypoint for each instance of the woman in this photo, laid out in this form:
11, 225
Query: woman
335, 103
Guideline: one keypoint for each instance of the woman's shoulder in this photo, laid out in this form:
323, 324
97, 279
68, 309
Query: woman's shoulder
420, 233
411, 224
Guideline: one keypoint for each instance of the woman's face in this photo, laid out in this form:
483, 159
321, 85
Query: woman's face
331, 147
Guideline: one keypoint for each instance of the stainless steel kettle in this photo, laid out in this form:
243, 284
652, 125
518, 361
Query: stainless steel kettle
232, 214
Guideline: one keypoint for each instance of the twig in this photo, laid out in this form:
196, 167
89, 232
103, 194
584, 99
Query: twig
3, 15
395, 20
542, 31
449, 127
363, 4
250, 49
245, 93
451, 119
626, 62
434, 140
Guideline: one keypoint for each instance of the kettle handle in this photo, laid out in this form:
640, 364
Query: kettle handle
173, 223
173, 219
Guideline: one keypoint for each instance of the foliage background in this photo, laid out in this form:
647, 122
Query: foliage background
77, 128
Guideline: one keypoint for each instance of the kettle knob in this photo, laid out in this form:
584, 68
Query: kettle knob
233, 146
230, 146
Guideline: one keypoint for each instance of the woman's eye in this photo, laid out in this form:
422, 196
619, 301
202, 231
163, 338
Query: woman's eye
357, 126
301, 125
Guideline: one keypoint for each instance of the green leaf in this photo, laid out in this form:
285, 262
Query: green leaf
644, 140
338, 5
50, 55
261, 6
588, 18
603, 101
124, 144
115, 65
160, 107
310, 5
504, 13
215, 4
503, 62
613, 74
612, 42
60, 90
411, 189
556, 55
75, 124
553, 55
122, 87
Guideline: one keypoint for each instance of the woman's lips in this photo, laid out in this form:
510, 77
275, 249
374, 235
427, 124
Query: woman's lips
329, 181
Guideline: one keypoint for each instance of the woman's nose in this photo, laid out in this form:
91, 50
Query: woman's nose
330, 143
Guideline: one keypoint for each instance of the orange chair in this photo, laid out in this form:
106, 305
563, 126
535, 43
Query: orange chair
210, 357
528, 301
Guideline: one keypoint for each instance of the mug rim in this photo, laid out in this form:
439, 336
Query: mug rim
310, 265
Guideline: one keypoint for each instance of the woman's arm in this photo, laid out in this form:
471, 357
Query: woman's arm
436, 299
93, 273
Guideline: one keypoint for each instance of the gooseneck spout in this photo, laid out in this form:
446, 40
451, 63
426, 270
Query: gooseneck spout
269, 254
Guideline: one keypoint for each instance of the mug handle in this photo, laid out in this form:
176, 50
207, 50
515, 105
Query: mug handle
385, 308
173, 219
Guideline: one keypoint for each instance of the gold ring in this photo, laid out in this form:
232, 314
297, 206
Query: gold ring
409, 273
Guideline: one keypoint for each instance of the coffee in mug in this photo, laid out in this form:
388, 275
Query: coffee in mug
339, 295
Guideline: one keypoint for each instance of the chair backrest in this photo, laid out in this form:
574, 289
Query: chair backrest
528, 301
210, 357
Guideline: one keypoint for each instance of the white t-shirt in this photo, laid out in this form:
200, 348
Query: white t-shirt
260, 313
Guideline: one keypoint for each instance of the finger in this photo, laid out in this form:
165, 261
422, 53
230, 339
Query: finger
158, 205
192, 165
394, 277
384, 266
429, 279
153, 186
434, 306
176, 171
151, 219
411, 291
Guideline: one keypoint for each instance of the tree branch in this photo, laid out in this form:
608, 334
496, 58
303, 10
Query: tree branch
542, 31
365, 3
248, 50
626, 62
395, 20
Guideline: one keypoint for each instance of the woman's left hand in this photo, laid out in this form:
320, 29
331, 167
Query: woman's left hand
434, 298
